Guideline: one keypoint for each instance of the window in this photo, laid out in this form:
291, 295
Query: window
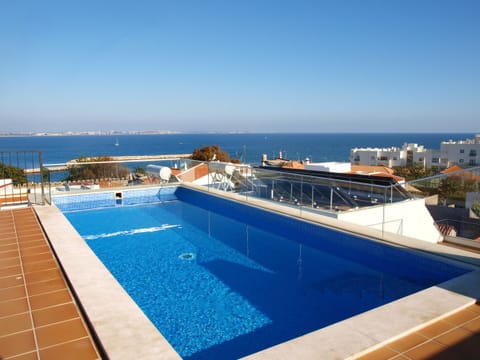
472, 163
462, 151
395, 158
473, 152
421, 159
435, 160
383, 158
461, 161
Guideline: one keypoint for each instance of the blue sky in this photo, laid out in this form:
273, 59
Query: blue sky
250, 65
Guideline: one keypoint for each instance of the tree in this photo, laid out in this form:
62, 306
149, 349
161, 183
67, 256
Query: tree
12, 172
476, 208
96, 171
413, 172
209, 153
450, 187
139, 170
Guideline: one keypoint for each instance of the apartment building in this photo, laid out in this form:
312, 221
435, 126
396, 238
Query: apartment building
465, 153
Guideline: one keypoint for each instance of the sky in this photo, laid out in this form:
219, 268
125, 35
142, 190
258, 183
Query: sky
240, 65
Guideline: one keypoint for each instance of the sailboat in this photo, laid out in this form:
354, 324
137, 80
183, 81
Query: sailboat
116, 142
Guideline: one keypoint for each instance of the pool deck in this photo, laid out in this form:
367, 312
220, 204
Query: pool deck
39, 317
433, 323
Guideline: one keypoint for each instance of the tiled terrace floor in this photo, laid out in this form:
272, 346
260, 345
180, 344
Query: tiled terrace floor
39, 318
455, 337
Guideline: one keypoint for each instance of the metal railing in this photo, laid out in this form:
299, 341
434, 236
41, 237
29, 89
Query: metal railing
23, 178
299, 190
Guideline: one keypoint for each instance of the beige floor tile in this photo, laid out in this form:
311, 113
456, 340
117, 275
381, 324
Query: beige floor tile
30, 239
39, 266
9, 254
12, 293
461, 317
11, 281
43, 275
75, 350
37, 257
31, 243
15, 323
407, 342
58, 333
40, 249
28, 356
10, 271
454, 337
473, 326
55, 314
429, 350
17, 344
382, 353
8, 247
45, 287
4, 263
50, 299
436, 329
12, 307
475, 308
8, 236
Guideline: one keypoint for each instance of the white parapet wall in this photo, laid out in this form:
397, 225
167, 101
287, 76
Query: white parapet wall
336, 167
408, 218
6, 185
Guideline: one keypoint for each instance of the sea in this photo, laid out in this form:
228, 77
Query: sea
318, 147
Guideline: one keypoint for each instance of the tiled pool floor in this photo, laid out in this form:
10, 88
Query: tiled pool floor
39, 318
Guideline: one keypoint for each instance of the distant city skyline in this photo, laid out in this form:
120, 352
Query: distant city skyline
240, 66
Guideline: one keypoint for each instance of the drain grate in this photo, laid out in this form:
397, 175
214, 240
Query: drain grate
187, 256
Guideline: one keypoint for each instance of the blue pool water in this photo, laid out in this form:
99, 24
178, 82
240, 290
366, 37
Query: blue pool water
223, 280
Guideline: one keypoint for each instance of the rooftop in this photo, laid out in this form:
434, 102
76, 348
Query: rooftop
43, 259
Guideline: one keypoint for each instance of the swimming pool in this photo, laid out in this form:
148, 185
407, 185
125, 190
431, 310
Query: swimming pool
221, 279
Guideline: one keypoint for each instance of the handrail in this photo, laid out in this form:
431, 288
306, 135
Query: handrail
23, 182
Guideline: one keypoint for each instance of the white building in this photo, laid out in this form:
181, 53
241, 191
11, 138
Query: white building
376, 156
408, 154
464, 153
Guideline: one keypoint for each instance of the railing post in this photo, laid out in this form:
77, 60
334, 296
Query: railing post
301, 195
331, 198
383, 211
208, 176
40, 166
313, 194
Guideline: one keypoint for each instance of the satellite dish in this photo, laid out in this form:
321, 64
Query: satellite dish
165, 173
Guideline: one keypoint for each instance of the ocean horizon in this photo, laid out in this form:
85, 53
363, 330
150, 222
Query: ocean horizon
248, 147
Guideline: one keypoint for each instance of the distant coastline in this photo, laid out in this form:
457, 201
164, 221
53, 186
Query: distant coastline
318, 147
89, 133
172, 132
